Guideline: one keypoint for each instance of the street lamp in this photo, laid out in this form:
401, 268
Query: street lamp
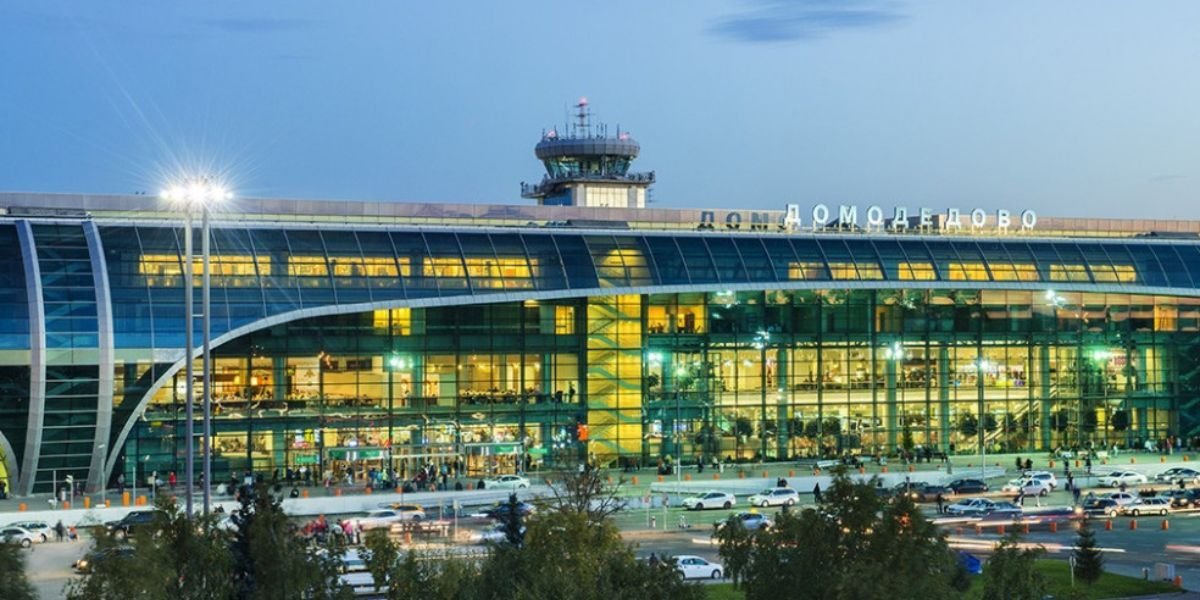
203, 193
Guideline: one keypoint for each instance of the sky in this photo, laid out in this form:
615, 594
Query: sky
1072, 108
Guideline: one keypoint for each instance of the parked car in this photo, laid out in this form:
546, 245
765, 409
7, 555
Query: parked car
780, 496
379, 519
1183, 498
1029, 487
411, 512
356, 576
1122, 498
506, 482
1147, 506
41, 529
1101, 507
968, 486
750, 520
1177, 474
970, 507
17, 535
927, 492
498, 509
1045, 477
91, 559
695, 567
125, 527
1116, 478
1004, 510
711, 499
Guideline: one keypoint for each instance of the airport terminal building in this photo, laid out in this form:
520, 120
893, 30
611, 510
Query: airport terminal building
387, 334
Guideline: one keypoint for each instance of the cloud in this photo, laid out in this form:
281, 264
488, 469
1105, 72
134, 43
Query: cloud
765, 21
259, 24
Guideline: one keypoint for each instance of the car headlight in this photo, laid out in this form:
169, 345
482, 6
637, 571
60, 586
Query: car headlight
82, 563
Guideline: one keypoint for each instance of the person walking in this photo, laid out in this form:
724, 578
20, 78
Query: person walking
60, 531
1077, 493
817, 493
941, 503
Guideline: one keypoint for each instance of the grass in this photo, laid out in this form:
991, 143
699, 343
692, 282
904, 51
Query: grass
1110, 585
1057, 574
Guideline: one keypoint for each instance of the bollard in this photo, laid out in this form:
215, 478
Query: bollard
687, 476
609, 480
408, 537
124, 498
883, 470
1178, 581
66, 505
1078, 463
1053, 526
660, 478
1133, 461
716, 476
1132, 524
1025, 528
1051, 463
337, 491
633, 480
912, 468
87, 501
470, 486
791, 473
1108, 525
368, 492
107, 503
1162, 459
765, 475
1166, 525
303, 493
22, 507
862, 470
741, 475
1000, 529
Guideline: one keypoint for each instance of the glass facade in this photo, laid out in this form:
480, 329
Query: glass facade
339, 346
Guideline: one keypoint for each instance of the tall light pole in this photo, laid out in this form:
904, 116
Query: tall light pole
202, 192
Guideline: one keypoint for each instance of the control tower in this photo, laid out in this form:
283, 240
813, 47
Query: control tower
588, 168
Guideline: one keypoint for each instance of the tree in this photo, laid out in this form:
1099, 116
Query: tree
271, 561
405, 576
1089, 562
1120, 420
13, 583
173, 557
585, 492
968, 425
855, 547
1011, 574
736, 547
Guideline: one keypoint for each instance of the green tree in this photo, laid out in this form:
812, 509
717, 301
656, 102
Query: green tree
1011, 574
736, 547
968, 425
13, 583
173, 557
272, 561
1089, 562
855, 547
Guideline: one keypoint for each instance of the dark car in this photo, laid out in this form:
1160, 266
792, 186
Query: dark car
498, 510
91, 559
1183, 498
1106, 507
125, 527
968, 486
929, 492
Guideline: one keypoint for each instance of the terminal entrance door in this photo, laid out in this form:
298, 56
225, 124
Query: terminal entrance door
486, 460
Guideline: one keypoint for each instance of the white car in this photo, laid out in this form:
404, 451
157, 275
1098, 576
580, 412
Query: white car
41, 530
380, 519
354, 575
1030, 487
1116, 478
780, 496
1147, 506
713, 499
971, 506
506, 482
411, 512
1122, 498
17, 535
695, 567
1045, 477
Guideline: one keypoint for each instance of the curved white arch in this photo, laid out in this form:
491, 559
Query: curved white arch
339, 309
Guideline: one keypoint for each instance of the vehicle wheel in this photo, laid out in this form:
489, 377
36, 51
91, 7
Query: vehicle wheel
791, 502
1163, 512
416, 517
1136, 512
25, 543
728, 504
765, 504
1044, 492
522, 486
716, 574
697, 506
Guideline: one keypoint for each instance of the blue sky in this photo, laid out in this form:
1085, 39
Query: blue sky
1069, 108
